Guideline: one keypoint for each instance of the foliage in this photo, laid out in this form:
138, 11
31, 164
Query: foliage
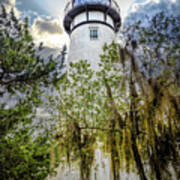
77, 110
131, 105
22, 70
156, 72
21, 157
23, 75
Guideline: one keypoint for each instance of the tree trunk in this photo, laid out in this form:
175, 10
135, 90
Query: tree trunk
135, 130
114, 157
156, 167
137, 158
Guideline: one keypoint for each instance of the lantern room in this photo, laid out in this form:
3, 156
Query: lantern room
80, 12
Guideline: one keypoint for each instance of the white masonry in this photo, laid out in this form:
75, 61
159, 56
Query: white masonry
90, 24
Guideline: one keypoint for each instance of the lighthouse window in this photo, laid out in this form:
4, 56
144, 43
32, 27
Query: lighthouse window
93, 33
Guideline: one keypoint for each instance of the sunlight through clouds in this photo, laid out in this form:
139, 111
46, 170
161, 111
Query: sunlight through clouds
49, 32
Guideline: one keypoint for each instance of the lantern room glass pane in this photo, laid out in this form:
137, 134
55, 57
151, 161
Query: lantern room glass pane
80, 2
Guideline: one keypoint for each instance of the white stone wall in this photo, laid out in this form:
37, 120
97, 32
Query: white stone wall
82, 47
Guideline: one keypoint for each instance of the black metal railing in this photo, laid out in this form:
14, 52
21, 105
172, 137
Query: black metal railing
74, 3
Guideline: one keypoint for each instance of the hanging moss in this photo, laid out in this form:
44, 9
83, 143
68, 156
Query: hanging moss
137, 123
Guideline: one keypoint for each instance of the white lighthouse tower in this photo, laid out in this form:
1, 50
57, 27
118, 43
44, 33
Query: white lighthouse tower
90, 24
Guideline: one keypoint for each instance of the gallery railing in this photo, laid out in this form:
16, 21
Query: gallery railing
70, 5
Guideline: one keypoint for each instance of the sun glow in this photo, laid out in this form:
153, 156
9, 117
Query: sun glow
51, 40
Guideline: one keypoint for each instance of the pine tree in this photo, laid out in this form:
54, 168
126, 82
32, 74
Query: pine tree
22, 71
23, 75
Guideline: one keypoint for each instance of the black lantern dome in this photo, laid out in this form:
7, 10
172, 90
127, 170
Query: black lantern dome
107, 7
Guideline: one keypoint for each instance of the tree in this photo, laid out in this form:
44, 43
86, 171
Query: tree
90, 110
22, 70
155, 71
22, 157
23, 75
77, 112
134, 108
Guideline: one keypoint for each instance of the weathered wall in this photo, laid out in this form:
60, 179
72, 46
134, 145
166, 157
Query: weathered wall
81, 47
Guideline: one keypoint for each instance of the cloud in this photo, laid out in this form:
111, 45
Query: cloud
56, 9
150, 8
50, 32
9, 4
49, 27
43, 28
124, 7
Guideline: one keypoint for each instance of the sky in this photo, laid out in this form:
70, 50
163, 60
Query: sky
46, 16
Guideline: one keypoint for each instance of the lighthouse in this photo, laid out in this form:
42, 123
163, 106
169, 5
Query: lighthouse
90, 24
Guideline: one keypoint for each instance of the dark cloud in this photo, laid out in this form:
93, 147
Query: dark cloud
47, 26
